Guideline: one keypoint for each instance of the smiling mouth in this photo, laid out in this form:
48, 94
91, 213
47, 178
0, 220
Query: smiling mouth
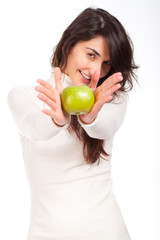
85, 77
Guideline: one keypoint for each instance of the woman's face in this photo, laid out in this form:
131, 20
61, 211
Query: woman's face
87, 57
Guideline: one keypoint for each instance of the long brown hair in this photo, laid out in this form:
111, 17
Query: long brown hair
90, 24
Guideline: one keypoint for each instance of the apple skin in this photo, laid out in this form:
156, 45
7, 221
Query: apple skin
77, 100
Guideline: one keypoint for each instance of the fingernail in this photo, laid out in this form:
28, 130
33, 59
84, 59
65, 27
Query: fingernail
37, 88
39, 81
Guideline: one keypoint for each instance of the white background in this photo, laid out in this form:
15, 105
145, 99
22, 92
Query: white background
29, 31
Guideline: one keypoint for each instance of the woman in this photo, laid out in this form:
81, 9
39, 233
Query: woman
67, 158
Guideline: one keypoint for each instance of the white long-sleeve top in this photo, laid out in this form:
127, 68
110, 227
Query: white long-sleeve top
70, 199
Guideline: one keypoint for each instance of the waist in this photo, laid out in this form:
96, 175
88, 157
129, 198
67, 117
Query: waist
73, 190
70, 207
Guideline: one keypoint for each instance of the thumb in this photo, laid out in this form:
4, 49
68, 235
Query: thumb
58, 79
94, 80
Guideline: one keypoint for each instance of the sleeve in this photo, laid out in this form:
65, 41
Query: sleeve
26, 110
109, 118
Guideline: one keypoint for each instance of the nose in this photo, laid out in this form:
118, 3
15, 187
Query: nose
96, 67
102, 68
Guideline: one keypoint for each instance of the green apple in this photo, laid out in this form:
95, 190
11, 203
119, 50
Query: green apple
77, 100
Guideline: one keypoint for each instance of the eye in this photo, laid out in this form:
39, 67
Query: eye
92, 55
108, 62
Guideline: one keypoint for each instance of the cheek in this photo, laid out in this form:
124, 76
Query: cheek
71, 65
77, 62
80, 63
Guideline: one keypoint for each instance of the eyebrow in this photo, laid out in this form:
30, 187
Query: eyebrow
97, 53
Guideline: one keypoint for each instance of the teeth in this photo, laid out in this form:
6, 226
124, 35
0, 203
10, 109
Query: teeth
85, 76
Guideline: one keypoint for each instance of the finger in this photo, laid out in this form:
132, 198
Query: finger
94, 80
45, 84
46, 92
48, 112
108, 99
46, 100
113, 89
113, 79
58, 79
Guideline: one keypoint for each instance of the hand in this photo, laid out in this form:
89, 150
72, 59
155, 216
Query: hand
51, 96
103, 94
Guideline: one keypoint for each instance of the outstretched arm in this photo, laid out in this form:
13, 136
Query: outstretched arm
27, 109
103, 94
106, 116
